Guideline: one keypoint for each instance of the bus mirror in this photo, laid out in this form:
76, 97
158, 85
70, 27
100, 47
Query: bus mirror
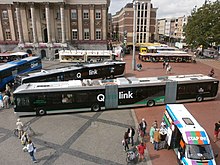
216, 155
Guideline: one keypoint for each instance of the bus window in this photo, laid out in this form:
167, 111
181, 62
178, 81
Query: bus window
67, 98
82, 97
53, 98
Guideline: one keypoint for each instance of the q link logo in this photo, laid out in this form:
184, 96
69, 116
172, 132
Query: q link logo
101, 97
78, 75
121, 95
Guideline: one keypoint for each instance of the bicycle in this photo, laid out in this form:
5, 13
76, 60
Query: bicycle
132, 156
27, 128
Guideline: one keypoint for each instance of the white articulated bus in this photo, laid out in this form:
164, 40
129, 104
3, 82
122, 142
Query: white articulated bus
186, 137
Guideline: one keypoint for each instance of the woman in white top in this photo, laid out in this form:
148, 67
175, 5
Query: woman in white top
30, 149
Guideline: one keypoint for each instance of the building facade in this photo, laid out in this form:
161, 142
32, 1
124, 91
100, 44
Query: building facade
170, 30
44, 27
145, 21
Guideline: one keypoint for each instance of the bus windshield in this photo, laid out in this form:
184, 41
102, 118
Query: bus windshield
199, 152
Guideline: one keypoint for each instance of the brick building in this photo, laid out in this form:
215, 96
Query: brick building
145, 22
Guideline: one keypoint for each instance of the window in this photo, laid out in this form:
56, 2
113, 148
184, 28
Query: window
98, 34
82, 98
29, 13
8, 34
67, 98
43, 14
98, 14
86, 34
5, 14
59, 34
86, 14
74, 34
58, 14
73, 14
53, 98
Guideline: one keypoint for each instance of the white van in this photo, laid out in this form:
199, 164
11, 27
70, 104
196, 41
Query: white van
186, 137
210, 53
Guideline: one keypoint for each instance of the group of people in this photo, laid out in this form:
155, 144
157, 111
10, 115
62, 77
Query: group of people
158, 134
27, 144
129, 139
5, 99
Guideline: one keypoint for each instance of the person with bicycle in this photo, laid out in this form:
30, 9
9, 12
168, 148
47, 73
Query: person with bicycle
19, 125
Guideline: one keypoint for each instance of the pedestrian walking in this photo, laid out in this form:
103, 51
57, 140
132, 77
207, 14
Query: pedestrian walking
1, 100
6, 101
8, 93
141, 148
24, 141
19, 125
152, 130
126, 147
143, 126
156, 139
31, 150
169, 69
216, 131
131, 133
164, 63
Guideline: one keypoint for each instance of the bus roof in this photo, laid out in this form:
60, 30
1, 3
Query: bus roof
162, 48
69, 68
19, 53
87, 83
190, 129
16, 62
83, 52
5, 54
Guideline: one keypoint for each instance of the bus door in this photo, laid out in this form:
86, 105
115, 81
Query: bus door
170, 93
111, 96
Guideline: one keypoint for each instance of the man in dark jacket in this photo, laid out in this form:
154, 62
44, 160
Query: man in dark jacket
143, 126
131, 133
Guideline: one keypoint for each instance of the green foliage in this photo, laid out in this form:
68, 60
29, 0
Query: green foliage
203, 27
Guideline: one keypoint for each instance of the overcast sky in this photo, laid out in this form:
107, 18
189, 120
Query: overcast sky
166, 8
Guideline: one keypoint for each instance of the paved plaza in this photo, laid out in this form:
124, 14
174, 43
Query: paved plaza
95, 137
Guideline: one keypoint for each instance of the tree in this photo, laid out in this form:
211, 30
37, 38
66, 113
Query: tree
203, 25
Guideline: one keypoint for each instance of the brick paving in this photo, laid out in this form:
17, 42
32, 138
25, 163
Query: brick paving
207, 113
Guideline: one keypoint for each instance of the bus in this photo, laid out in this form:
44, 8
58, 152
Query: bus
19, 55
103, 70
84, 95
186, 137
169, 56
11, 69
7, 57
82, 56
144, 47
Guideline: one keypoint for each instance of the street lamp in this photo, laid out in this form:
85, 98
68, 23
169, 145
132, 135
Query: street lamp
134, 36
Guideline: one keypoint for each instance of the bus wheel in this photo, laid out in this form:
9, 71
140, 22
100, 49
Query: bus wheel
95, 107
150, 103
41, 112
199, 98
